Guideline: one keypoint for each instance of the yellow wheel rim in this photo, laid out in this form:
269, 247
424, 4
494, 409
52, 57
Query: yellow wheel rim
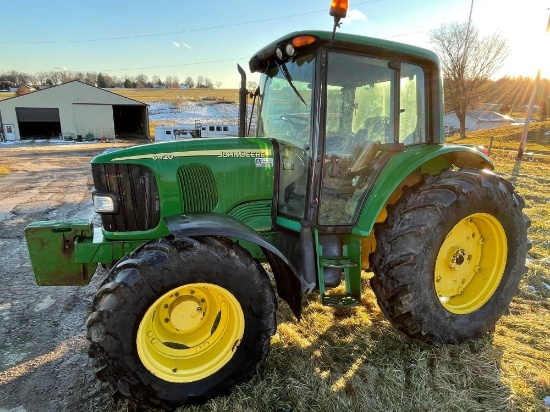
190, 332
470, 263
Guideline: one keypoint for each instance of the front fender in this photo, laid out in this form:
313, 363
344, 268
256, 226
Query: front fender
217, 224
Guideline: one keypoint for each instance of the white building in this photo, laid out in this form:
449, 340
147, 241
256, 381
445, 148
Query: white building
73, 109
476, 120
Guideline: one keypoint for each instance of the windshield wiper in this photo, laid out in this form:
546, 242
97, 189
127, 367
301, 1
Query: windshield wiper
288, 78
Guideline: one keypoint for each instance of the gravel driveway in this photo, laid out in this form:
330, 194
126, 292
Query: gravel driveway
43, 360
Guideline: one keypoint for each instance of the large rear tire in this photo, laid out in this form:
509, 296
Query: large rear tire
450, 256
183, 321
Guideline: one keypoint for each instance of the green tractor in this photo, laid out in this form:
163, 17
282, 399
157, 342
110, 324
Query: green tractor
347, 173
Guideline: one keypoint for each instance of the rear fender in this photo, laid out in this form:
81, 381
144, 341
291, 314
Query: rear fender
429, 159
289, 284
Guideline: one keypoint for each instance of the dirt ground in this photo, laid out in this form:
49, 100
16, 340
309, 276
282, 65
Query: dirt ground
43, 361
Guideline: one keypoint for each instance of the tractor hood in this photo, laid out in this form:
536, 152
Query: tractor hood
147, 183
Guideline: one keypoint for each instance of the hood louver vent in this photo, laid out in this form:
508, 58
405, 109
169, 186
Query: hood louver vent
198, 188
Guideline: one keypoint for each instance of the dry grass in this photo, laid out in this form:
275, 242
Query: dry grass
179, 95
334, 360
507, 138
4, 170
168, 95
6, 95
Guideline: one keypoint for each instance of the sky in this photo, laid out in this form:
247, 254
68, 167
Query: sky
209, 38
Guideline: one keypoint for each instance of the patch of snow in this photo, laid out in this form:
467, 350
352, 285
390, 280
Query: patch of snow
44, 304
546, 285
190, 112
531, 289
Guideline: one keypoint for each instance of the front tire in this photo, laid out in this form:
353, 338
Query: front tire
182, 321
450, 256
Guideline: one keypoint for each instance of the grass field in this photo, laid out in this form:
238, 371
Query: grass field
6, 95
169, 95
178, 95
335, 360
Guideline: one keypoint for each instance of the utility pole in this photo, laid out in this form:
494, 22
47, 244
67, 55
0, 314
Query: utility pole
470, 18
523, 139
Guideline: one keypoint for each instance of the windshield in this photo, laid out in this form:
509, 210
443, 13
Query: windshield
285, 110
285, 115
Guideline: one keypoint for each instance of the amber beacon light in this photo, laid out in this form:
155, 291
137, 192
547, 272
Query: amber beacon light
338, 9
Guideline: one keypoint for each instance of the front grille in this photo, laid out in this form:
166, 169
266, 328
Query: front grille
139, 198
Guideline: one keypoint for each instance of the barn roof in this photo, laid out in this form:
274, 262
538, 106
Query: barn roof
118, 96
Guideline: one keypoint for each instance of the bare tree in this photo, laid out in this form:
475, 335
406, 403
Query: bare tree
468, 62
218, 85
142, 80
172, 82
200, 82
189, 82
23, 89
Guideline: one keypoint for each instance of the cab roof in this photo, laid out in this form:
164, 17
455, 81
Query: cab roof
349, 41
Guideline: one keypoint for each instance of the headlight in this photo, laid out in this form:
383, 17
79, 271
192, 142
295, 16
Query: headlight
105, 202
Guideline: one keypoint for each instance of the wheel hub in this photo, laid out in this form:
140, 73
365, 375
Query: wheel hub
186, 313
458, 258
470, 263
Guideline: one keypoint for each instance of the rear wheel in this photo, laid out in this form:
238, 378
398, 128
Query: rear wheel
180, 322
450, 256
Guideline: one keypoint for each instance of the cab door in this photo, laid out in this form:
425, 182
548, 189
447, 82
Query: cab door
373, 106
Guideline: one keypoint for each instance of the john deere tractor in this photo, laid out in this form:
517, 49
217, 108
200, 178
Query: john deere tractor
347, 173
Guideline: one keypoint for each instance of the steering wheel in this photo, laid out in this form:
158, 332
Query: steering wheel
300, 125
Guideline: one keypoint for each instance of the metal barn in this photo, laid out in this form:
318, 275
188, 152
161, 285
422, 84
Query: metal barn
73, 109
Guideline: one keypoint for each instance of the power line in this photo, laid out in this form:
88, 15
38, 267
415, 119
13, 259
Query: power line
140, 36
176, 65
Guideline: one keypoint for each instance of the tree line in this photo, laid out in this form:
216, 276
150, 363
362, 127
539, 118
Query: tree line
14, 78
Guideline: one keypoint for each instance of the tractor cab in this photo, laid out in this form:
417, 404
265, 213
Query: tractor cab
339, 109
333, 113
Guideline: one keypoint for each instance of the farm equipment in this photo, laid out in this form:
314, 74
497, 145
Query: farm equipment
348, 173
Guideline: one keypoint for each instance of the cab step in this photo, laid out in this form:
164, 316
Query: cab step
349, 264
337, 262
339, 301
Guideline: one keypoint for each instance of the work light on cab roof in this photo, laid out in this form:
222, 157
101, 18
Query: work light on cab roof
288, 50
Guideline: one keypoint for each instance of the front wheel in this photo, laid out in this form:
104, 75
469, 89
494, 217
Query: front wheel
450, 256
182, 321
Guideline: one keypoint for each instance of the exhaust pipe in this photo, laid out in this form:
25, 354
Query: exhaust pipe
243, 93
